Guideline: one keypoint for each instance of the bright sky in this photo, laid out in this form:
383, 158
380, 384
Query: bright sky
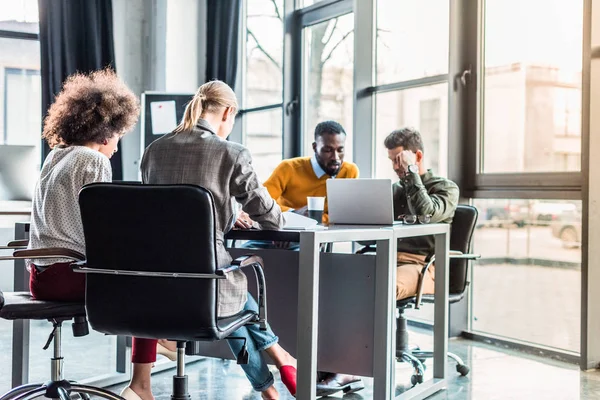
19, 10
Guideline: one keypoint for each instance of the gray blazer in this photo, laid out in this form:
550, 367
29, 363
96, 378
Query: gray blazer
202, 158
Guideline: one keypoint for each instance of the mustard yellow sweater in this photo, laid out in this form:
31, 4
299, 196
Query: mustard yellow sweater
294, 180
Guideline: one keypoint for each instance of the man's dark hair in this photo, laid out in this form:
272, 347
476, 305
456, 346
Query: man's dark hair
408, 138
330, 127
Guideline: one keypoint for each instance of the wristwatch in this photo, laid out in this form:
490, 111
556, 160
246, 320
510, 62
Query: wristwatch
414, 168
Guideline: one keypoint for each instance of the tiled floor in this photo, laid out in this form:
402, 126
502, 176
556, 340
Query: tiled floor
496, 373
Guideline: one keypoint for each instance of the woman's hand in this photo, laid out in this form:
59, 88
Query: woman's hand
243, 221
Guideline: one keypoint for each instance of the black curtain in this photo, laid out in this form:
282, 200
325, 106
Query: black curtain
222, 38
75, 36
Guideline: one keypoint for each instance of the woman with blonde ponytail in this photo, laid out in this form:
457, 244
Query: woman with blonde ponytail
197, 152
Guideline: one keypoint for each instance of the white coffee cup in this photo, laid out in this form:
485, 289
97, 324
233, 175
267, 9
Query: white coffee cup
316, 203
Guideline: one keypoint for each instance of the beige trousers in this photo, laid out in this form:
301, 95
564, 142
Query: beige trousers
409, 273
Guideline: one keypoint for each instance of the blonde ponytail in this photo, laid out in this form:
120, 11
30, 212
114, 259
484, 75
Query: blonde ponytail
210, 97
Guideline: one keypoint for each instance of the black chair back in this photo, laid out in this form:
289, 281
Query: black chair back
461, 235
155, 228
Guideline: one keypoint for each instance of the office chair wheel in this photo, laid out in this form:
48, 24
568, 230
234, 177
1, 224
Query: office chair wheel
462, 369
416, 378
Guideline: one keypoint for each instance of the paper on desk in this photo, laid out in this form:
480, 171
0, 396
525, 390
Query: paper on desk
163, 116
297, 221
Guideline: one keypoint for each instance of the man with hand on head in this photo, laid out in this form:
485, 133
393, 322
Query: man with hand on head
419, 197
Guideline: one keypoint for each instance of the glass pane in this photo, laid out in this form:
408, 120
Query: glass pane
306, 3
263, 80
264, 140
329, 72
527, 284
424, 108
532, 86
20, 93
77, 351
412, 41
19, 15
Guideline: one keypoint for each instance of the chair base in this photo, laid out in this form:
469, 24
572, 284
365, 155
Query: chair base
57, 390
414, 355
180, 388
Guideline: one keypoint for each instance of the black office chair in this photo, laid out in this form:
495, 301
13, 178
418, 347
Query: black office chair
152, 267
461, 234
21, 305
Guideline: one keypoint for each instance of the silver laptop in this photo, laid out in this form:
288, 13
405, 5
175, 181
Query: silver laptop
360, 201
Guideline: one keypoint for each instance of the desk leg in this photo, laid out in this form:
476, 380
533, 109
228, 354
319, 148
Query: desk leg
440, 322
20, 331
384, 344
308, 307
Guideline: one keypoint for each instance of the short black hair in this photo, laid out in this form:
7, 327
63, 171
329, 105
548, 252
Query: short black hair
408, 138
330, 127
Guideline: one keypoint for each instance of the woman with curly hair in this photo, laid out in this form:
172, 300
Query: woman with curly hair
83, 128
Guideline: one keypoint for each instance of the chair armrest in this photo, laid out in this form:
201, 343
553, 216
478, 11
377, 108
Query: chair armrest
256, 262
367, 249
16, 245
247, 261
465, 256
452, 254
51, 252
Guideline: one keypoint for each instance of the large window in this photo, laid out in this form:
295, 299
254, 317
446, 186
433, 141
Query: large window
329, 68
20, 85
264, 140
532, 86
262, 83
527, 285
412, 39
424, 108
411, 78
22, 98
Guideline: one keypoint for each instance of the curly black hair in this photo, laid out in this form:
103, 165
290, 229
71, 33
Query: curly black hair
330, 127
91, 108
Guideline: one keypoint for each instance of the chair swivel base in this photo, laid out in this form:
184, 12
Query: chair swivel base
57, 390
415, 356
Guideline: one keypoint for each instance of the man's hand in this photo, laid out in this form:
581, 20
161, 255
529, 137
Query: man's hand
302, 211
406, 158
243, 221
282, 245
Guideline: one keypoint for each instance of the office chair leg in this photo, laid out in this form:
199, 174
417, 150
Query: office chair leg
84, 390
461, 367
20, 389
417, 377
32, 394
180, 384
401, 334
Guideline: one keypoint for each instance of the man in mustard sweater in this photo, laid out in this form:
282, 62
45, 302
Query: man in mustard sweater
290, 184
297, 178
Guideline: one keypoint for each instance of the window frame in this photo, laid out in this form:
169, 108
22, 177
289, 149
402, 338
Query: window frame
566, 185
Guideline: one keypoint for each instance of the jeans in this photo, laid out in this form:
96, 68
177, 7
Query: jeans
256, 370
265, 244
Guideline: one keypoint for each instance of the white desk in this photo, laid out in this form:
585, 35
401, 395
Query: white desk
308, 305
385, 298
